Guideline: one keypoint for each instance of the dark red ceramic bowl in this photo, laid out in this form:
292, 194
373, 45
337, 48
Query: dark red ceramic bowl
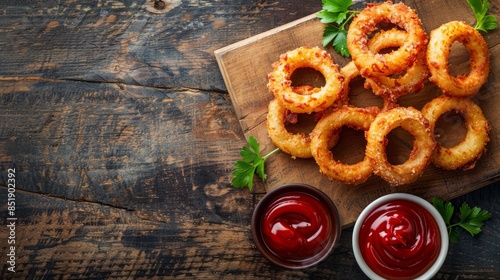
296, 226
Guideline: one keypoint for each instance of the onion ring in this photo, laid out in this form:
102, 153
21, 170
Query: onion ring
280, 83
305, 90
295, 144
438, 51
411, 120
350, 71
469, 150
415, 76
374, 64
330, 124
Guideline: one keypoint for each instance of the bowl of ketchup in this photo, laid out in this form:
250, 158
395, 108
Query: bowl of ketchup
295, 226
400, 236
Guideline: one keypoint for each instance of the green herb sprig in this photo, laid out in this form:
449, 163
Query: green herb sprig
470, 219
336, 15
484, 22
250, 164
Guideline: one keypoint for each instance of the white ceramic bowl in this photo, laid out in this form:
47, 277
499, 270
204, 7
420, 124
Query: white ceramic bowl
397, 196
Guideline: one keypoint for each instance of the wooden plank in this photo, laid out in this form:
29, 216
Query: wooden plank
245, 67
113, 143
128, 41
93, 240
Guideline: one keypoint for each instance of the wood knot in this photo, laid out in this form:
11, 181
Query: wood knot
160, 5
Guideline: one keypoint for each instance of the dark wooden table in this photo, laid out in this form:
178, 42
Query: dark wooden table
120, 136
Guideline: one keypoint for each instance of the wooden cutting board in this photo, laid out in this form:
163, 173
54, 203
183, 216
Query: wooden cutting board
245, 65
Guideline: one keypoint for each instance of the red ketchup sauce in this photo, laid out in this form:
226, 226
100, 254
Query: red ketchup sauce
400, 240
295, 226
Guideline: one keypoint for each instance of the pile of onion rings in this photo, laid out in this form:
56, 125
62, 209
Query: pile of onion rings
411, 81
413, 56
372, 63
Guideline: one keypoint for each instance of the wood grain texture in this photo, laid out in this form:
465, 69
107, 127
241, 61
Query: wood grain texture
123, 135
245, 71
124, 42
106, 143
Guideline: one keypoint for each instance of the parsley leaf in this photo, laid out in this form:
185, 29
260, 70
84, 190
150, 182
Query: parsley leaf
339, 38
471, 219
454, 235
446, 210
250, 164
336, 5
336, 14
484, 22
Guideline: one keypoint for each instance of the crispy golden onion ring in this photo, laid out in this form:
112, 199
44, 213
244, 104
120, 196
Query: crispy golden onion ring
295, 144
305, 90
374, 64
330, 125
280, 83
469, 150
350, 71
438, 51
410, 81
298, 144
411, 120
